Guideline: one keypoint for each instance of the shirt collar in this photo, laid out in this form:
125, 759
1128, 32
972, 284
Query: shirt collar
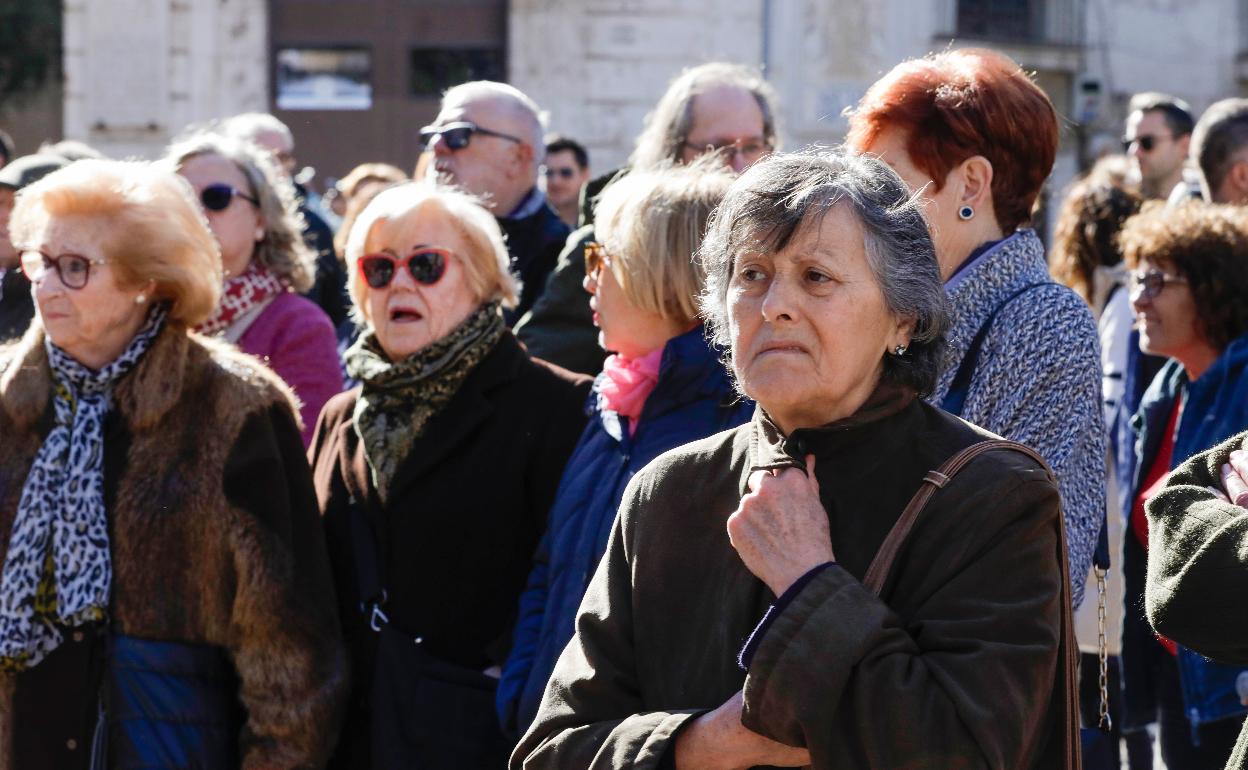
979, 255
531, 204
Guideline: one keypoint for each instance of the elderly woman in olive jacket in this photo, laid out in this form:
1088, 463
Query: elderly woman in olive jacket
823, 284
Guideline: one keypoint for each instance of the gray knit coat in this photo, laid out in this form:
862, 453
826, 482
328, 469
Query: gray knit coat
1038, 379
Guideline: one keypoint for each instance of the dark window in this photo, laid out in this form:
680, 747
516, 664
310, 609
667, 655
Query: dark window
1009, 20
433, 70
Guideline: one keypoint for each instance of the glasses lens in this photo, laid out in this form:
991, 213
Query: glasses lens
73, 270
1146, 143
216, 197
593, 259
426, 267
377, 270
1153, 284
457, 138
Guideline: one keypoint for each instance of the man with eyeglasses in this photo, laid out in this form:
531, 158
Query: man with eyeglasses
487, 140
1158, 132
16, 307
567, 171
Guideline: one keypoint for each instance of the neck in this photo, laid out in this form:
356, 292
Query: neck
951, 259
1162, 187
508, 202
1196, 362
570, 214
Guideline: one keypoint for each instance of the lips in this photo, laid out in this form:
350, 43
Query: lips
402, 315
782, 347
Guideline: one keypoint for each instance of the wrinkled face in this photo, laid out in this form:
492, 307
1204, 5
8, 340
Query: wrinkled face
941, 208
490, 165
1168, 151
8, 255
564, 178
407, 315
623, 327
727, 117
238, 227
1168, 323
809, 326
92, 324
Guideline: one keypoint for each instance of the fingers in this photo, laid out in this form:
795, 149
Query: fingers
1239, 461
1233, 483
1219, 493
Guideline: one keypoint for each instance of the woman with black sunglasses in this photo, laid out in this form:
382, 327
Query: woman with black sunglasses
1189, 292
252, 211
434, 478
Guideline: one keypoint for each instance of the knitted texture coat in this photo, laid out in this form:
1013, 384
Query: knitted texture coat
1038, 378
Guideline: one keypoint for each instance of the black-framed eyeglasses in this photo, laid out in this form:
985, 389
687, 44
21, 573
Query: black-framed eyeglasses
457, 135
217, 197
1148, 285
73, 270
426, 264
561, 173
1146, 142
749, 149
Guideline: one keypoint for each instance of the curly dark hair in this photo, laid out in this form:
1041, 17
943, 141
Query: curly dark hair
1208, 245
1088, 223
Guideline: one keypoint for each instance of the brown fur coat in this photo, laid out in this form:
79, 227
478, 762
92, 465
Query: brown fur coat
214, 530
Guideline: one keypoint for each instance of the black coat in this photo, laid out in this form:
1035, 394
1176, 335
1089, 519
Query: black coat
16, 307
534, 243
466, 510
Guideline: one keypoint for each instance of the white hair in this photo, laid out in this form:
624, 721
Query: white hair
512, 98
249, 125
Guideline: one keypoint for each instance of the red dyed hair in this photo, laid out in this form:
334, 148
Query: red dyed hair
958, 104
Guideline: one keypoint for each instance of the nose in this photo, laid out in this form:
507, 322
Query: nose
1137, 149
737, 159
590, 283
438, 146
778, 303
1139, 299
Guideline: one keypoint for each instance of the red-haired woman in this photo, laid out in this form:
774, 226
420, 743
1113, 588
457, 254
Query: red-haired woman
972, 135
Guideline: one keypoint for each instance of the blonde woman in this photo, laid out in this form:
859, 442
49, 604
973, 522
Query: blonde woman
165, 589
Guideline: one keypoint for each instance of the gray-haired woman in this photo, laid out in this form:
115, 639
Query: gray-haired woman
823, 284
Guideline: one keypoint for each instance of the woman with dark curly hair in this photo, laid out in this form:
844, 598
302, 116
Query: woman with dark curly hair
1190, 295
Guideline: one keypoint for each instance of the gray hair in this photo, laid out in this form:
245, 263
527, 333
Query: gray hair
283, 250
784, 193
515, 100
249, 125
667, 127
1219, 135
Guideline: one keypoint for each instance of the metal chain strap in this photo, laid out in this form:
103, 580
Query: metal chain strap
1104, 722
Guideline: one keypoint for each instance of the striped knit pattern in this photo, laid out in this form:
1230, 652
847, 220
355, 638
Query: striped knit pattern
1038, 379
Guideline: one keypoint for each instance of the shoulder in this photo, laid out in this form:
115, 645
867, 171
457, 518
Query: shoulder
544, 379
722, 455
997, 487
340, 408
234, 378
293, 308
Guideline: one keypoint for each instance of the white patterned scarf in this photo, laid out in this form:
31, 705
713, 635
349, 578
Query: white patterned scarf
240, 294
58, 572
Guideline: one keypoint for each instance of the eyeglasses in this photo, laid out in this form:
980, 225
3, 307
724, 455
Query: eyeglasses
1146, 141
561, 173
458, 135
749, 149
427, 265
217, 197
72, 270
1149, 285
596, 257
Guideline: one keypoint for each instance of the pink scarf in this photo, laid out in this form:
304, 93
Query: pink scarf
628, 384
239, 295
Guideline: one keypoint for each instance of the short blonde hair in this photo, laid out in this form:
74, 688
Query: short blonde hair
487, 265
283, 250
651, 223
157, 231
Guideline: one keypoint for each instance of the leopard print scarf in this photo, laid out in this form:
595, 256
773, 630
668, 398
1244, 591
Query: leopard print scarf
398, 398
58, 573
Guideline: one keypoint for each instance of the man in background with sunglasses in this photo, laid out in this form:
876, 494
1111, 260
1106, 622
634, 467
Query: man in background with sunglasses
1158, 132
487, 140
567, 171
16, 307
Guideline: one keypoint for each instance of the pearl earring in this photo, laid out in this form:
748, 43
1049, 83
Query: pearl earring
965, 213
139, 299
900, 350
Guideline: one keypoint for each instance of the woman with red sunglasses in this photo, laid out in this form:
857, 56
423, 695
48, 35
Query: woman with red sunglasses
253, 213
434, 477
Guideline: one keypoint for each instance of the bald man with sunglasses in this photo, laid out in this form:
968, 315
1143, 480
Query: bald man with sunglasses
487, 140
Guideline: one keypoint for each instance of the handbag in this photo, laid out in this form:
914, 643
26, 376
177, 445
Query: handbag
1066, 693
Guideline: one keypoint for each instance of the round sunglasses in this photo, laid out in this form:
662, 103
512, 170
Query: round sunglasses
217, 197
426, 265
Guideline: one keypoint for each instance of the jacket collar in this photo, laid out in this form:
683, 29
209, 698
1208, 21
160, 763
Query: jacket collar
770, 449
142, 397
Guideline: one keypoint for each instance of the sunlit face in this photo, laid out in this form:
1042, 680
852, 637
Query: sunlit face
809, 326
940, 207
1166, 156
490, 166
8, 255
623, 327
1168, 323
93, 324
407, 315
728, 117
564, 178
239, 227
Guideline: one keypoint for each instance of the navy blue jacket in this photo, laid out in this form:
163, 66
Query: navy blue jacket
693, 399
1215, 408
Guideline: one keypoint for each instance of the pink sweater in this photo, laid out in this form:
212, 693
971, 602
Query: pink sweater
296, 339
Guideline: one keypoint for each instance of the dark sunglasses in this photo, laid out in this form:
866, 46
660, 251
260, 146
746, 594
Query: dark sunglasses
1146, 142
458, 135
426, 265
562, 173
72, 269
1149, 285
217, 197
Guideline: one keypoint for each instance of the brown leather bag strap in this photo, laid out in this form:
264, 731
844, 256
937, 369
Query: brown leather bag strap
882, 564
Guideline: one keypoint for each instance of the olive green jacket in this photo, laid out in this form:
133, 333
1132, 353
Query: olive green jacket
956, 666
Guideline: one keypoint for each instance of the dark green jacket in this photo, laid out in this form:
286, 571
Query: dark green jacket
560, 327
1198, 565
957, 666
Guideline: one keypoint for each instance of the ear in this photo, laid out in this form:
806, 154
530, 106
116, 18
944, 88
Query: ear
903, 331
1238, 179
976, 176
524, 156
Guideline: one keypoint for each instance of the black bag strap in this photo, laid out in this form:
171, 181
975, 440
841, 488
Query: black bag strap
955, 399
368, 579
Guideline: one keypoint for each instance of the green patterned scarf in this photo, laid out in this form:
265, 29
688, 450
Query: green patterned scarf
398, 398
